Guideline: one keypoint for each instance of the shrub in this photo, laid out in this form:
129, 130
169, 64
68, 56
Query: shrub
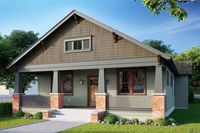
37, 115
110, 118
149, 122
128, 122
28, 116
5, 108
171, 121
161, 122
135, 121
191, 96
19, 114
123, 120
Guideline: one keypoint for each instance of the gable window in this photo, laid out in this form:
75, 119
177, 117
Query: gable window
77, 44
132, 81
67, 83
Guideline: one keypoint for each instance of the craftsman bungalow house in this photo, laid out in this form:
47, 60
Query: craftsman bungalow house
81, 62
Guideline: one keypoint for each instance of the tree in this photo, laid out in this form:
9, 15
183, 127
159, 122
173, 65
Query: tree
192, 55
160, 45
174, 7
10, 47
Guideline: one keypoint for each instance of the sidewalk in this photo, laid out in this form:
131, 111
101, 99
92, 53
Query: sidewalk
43, 127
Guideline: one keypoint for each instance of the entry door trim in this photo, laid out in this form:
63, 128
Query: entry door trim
90, 77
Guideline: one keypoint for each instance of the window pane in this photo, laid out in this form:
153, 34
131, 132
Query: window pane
68, 46
124, 82
78, 45
67, 86
86, 44
139, 81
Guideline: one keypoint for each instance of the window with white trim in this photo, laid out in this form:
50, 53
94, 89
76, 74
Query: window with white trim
77, 44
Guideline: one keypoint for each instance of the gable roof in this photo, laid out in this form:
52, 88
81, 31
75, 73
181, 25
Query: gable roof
149, 48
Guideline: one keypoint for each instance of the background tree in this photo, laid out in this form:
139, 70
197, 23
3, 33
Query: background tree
10, 47
192, 55
174, 7
160, 45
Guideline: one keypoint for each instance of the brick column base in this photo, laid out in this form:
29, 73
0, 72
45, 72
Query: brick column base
97, 116
101, 101
47, 114
56, 100
158, 105
16, 100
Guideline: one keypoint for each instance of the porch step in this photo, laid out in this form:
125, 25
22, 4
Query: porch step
34, 110
141, 115
72, 115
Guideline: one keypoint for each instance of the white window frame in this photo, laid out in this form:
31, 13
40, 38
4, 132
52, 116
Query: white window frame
78, 39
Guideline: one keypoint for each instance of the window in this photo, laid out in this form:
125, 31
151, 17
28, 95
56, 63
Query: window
132, 81
171, 81
167, 78
67, 83
77, 44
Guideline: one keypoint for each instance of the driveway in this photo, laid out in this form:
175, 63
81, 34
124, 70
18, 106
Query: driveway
43, 127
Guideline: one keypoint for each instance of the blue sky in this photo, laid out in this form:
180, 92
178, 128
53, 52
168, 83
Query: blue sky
127, 16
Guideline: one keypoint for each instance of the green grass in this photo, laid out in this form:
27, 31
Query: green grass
9, 121
189, 120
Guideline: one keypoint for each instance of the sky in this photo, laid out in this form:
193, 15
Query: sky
127, 16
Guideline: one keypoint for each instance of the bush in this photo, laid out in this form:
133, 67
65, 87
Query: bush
123, 120
191, 96
110, 118
135, 121
161, 122
37, 115
5, 108
19, 114
149, 122
28, 116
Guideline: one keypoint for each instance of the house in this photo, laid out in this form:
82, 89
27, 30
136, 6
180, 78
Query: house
81, 62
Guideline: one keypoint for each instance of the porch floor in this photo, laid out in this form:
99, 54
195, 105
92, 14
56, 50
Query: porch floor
34, 110
72, 114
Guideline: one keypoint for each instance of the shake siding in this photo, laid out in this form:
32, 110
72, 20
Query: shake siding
103, 46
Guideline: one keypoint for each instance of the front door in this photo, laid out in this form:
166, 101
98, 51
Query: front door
92, 86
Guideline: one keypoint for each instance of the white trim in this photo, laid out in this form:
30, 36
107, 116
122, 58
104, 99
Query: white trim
169, 111
95, 22
158, 94
77, 39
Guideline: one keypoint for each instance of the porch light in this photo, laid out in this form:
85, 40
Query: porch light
81, 82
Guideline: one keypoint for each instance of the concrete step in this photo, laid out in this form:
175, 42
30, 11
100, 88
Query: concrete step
73, 115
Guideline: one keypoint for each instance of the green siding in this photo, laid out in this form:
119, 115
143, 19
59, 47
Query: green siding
44, 83
170, 98
181, 92
135, 101
80, 92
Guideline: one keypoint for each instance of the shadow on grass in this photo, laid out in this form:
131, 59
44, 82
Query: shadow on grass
187, 116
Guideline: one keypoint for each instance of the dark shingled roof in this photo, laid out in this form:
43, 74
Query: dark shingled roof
184, 67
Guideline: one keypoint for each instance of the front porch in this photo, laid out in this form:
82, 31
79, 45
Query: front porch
106, 89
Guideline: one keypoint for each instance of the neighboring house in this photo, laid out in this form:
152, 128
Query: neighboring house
4, 91
81, 62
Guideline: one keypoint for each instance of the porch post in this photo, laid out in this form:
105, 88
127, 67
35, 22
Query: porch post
101, 95
158, 97
56, 97
16, 98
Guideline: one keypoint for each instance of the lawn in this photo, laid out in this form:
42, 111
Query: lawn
189, 123
9, 121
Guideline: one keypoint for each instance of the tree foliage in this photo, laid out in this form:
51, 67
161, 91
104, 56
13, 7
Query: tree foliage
10, 47
192, 55
160, 45
174, 7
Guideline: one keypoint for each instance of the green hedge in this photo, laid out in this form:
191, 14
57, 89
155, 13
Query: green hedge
5, 108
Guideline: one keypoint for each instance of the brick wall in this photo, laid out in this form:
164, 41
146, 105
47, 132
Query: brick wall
158, 105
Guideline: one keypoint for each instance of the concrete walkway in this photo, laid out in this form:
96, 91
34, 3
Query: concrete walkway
43, 127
